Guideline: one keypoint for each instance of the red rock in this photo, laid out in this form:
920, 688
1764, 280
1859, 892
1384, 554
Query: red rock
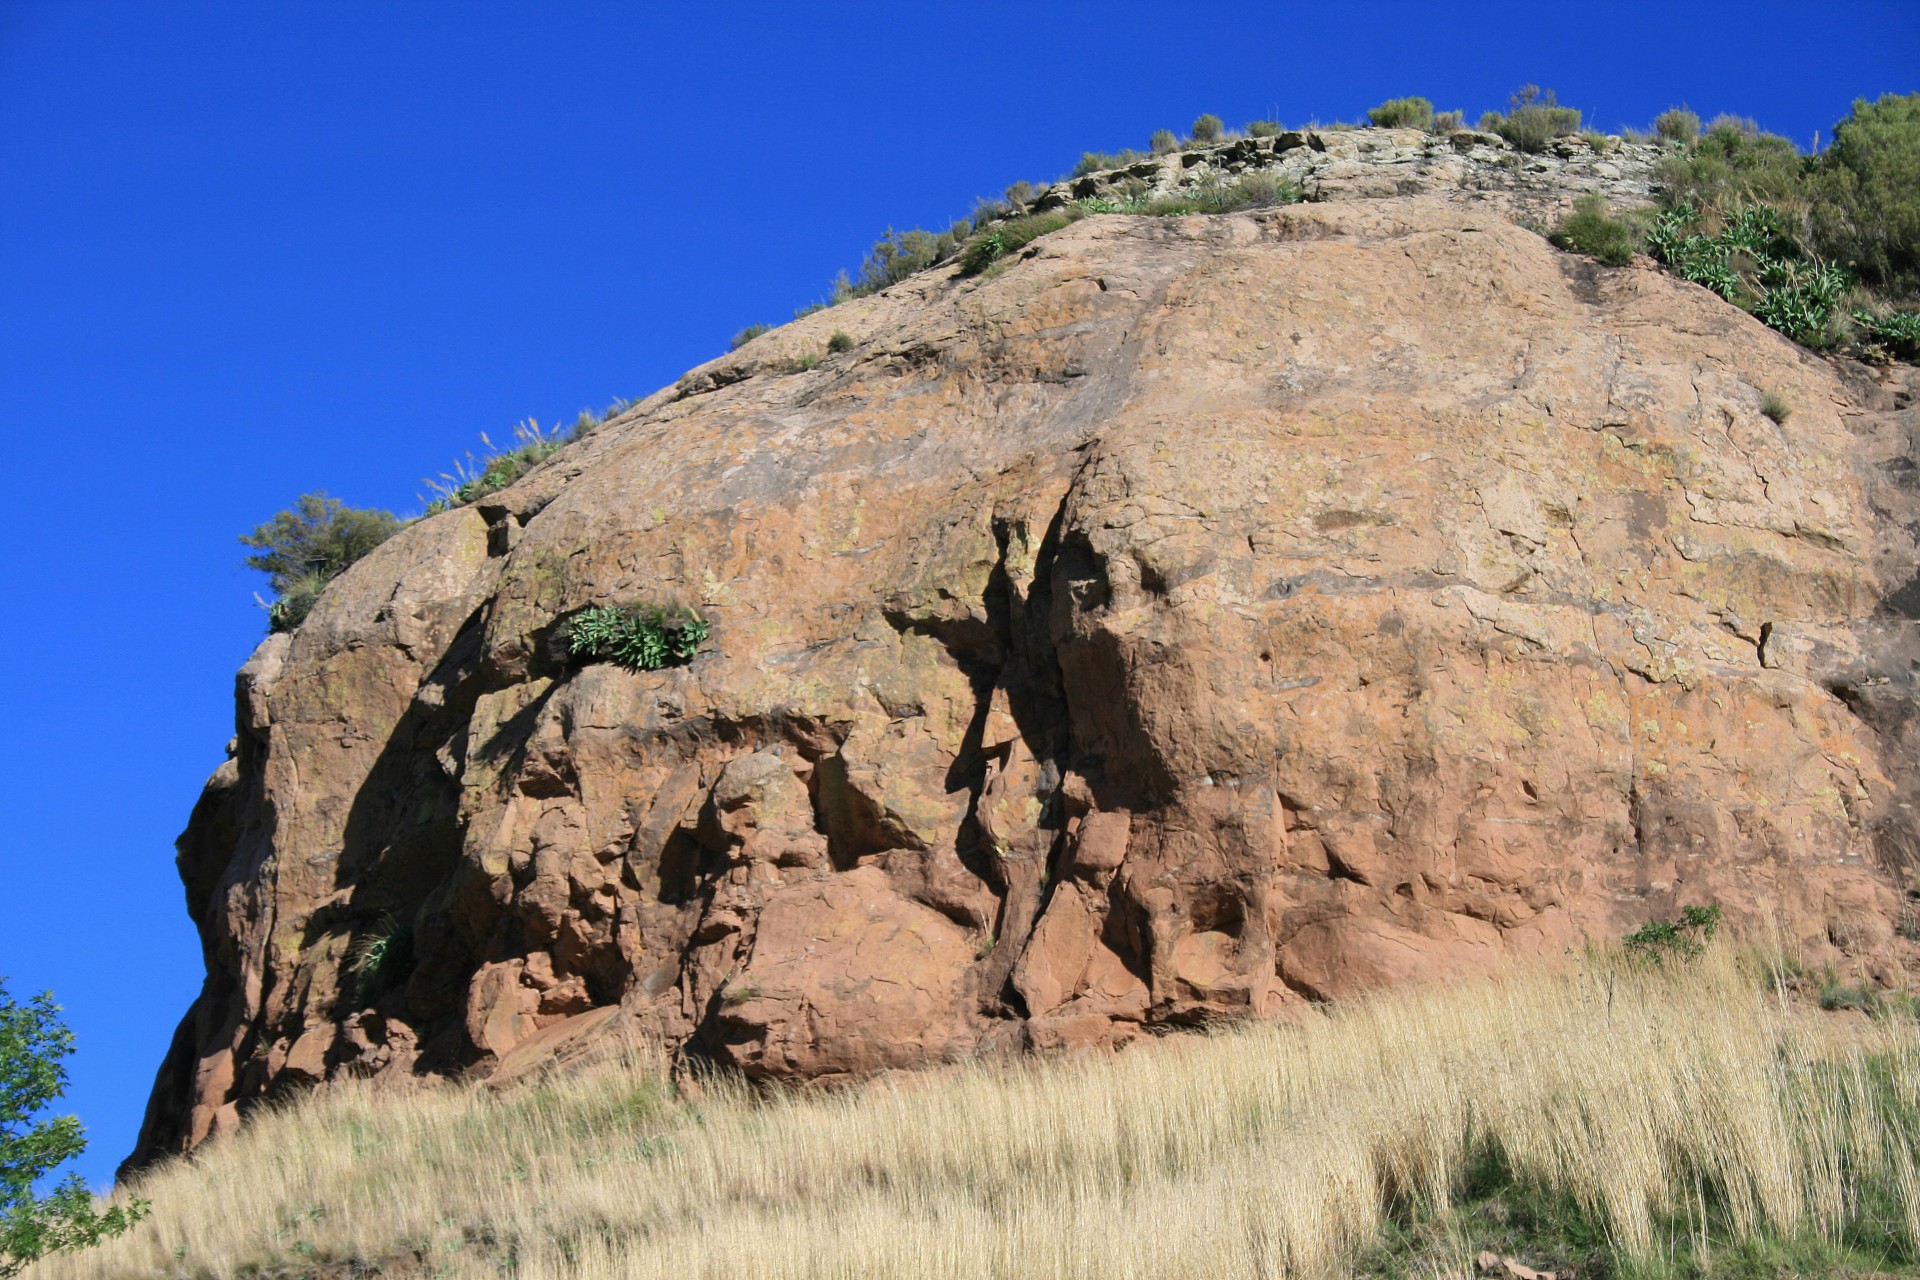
1199, 617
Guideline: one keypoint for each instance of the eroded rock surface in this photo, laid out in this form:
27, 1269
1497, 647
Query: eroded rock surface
1198, 617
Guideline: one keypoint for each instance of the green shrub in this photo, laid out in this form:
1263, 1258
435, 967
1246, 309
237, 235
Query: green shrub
1677, 124
34, 1041
1775, 406
1402, 113
1866, 211
1732, 164
637, 637
1448, 121
1589, 230
1835, 995
1264, 129
1657, 941
747, 335
1535, 119
588, 420
309, 545
1163, 142
1896, 334
1799, 299
839, 342
1208, 128
1021, 194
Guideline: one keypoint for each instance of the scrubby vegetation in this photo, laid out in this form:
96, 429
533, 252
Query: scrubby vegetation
1533, 119
307, 546
637, 637
1589, 229
471, 480
1696, 1120
1824, 248
1402, 113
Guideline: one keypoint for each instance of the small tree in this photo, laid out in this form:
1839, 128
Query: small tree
309, 545
33, 1040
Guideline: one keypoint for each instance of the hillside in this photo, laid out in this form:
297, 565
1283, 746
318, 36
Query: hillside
1164, 619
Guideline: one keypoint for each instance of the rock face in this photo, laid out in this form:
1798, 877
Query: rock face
1198, 617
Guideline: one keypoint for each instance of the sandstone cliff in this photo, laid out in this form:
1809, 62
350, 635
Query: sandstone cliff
1198, 617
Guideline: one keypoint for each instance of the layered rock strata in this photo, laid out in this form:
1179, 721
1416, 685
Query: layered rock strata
1195, 618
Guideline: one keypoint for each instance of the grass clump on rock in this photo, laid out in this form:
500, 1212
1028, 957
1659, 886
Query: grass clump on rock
1011, 236
470, 481
1589, 229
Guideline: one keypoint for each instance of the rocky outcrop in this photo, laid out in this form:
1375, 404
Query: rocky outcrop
1346, 164
1197, 618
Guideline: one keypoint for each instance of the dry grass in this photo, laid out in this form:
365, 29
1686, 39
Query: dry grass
1665, 1106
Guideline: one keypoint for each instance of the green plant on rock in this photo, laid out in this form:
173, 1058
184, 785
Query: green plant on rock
1658, 941
381, 958
1799, 299
1590, 230
637, 637
1163, 142
1896, 334
1754, 263
839, 342
1208, 128
1402, 113
1534, 119
307, 546
33, 1042
470, 481
1013, 235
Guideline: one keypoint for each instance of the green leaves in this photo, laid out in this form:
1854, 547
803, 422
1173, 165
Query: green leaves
637, 637
309, 545
1753, 262
1683, 939
33, 1042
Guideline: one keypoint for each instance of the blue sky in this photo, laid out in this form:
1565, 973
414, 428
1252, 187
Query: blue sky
253, 249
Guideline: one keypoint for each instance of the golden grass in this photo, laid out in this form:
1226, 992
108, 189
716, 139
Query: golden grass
1660, 1103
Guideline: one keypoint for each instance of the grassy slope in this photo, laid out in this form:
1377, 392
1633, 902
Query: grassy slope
1632, 1121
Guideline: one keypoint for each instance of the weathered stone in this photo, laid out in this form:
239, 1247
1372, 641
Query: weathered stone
1198, 617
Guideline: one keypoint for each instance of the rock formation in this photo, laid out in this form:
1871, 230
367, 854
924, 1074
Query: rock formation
1194, 618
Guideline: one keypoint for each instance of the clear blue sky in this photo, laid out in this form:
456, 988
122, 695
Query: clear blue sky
262, 247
